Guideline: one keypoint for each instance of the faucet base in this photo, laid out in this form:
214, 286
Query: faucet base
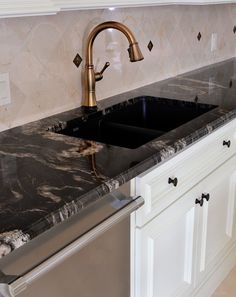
89, 109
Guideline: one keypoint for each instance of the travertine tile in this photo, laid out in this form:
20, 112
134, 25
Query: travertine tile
38, 53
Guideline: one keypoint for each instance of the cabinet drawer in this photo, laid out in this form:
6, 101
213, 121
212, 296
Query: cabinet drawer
163, 184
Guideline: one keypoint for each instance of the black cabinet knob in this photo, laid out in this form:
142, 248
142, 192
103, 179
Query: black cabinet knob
173, 181
206, 196
227, 143
199, 201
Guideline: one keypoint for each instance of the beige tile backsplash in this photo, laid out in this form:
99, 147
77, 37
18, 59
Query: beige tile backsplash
38, 53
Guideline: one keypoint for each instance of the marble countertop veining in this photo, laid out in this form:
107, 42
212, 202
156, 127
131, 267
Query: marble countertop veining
46, 177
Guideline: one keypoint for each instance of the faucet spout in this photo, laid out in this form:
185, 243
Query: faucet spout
90, 77
135, 53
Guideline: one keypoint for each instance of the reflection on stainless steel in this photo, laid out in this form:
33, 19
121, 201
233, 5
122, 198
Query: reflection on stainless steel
35, 263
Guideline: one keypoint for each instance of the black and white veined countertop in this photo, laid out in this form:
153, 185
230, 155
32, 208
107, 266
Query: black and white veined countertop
46, 178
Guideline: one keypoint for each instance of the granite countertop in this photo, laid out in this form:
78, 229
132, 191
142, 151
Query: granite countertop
47, 177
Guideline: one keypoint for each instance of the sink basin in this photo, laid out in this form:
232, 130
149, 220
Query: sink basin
135, 122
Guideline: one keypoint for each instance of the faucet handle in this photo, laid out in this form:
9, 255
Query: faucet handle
107, 64
99, 75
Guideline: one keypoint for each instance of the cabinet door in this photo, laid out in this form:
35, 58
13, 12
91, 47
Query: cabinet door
164, 255
217, 217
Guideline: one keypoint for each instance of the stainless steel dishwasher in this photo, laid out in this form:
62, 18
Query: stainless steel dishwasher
86, 256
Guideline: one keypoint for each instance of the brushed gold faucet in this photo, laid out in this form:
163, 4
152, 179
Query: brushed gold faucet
90, 76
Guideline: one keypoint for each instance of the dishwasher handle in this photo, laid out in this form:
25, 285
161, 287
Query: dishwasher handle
19, 285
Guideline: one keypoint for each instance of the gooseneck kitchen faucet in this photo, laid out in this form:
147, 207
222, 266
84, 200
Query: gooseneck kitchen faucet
90, 76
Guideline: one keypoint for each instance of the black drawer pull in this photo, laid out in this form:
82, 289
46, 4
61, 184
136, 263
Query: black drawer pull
199, 201
227, 143
206, 196
173, 181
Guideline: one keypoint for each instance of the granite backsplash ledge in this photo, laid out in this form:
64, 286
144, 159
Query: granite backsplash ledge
38, 52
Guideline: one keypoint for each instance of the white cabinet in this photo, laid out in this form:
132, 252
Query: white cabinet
12, 8
216, 218
15, 8
165, 252
183, 235
74, 4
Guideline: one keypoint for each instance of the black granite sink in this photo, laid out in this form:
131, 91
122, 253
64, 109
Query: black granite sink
135, 122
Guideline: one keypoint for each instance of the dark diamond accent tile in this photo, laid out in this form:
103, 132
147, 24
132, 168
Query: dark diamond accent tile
77, 60
231, 83
150, 45
199, 36
234, 29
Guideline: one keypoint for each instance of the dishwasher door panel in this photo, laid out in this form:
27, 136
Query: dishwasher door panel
100, 269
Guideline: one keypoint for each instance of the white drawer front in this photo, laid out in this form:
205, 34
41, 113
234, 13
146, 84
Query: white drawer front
188, 167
